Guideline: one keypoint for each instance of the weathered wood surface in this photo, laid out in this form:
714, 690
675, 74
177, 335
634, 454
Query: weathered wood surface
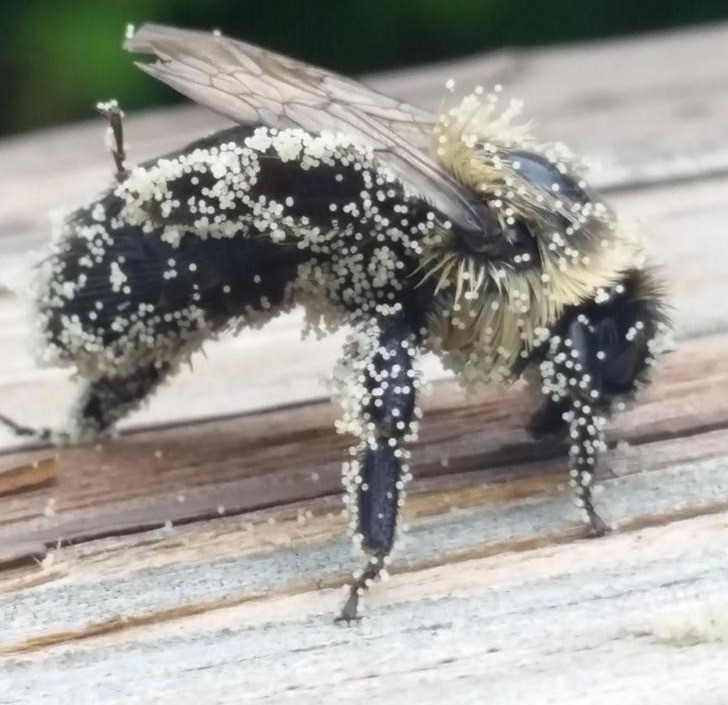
207, 558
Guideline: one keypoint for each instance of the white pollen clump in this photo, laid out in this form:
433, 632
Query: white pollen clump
704, 622
117, 277
50, 507
99, 212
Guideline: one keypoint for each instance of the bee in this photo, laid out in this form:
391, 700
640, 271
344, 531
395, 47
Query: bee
455, 233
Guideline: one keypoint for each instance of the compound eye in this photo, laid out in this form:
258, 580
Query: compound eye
545, 176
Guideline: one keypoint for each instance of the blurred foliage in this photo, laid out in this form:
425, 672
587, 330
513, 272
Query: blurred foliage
58, 57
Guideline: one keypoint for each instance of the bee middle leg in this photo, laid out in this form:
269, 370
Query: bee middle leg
376, 475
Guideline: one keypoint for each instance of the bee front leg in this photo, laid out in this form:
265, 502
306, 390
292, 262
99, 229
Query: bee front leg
571, 381
587, 441
383, 391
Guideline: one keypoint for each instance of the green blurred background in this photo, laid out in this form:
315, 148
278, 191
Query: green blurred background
58, 57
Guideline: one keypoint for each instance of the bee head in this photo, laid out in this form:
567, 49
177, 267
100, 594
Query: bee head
537, 211
545, 241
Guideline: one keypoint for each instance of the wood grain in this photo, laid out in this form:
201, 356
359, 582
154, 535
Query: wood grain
37, 471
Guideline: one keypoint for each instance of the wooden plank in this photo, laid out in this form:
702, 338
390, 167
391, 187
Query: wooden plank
21, 476
464, 595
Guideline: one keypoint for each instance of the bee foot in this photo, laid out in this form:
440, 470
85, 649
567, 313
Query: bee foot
597, 526
350, 610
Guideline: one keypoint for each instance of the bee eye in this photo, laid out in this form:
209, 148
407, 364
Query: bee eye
544, 175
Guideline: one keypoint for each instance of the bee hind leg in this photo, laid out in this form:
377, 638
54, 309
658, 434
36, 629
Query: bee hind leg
40, 433
104, 401
101, 403
115, 136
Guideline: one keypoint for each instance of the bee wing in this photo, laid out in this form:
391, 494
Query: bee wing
251, 85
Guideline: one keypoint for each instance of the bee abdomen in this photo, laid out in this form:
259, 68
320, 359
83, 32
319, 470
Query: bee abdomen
110, 296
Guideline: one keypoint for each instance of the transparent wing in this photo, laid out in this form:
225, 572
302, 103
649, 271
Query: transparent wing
252, 85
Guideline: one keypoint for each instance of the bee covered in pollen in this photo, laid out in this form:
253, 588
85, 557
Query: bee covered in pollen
456, 233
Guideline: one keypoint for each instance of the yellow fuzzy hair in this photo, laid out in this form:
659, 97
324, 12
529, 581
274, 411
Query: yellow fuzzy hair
497, 310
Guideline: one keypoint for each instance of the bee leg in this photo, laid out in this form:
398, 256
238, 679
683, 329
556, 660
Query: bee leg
549, 430
547, 421
377, 495
104, 401
115, 136
386, 392
570, 377
101, 403
597, 357
19, 429
587, 440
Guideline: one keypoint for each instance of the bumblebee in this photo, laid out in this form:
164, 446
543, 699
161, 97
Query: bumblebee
455, 233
